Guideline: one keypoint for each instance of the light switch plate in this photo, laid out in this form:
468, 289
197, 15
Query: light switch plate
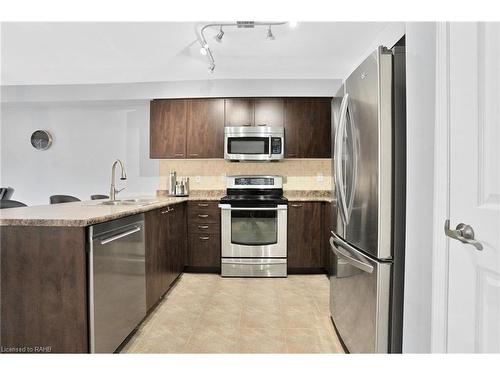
320, 177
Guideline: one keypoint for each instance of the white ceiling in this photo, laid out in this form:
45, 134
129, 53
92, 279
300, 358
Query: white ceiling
83, 53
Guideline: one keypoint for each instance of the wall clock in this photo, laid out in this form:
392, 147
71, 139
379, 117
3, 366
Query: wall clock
41, 139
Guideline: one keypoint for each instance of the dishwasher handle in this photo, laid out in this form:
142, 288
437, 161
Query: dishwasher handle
120, 235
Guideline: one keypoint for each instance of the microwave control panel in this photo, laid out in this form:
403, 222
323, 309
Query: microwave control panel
276, 145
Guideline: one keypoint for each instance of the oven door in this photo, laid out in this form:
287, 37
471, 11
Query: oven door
253, 232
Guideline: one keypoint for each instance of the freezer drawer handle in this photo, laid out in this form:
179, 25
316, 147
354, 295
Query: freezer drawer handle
342, 254
120, 235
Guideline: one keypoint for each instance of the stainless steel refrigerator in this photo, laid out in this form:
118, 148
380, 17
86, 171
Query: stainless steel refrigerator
367, 241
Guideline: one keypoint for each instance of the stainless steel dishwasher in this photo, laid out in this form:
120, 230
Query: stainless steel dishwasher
117, 281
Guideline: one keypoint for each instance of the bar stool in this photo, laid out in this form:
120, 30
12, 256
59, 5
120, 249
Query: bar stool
99, 196
7, 203
54, 199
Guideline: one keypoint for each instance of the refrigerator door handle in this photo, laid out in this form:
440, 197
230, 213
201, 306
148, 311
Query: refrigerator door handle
349, 254
338, 159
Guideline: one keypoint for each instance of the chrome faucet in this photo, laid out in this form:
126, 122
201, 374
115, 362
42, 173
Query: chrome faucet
113, 191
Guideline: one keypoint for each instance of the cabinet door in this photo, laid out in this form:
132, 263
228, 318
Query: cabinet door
167, 134
304, 235
166, 258
308, 127
269, 112
239, 112
152, 227
205, 129
328, 225
177, 239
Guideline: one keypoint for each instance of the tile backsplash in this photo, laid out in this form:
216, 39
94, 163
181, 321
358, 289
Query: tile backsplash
209, 174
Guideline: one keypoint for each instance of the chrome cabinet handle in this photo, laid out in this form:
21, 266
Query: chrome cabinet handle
204, 238
169, 209
193, 154
463, 233
202, 226
296, 205
203, 216
202, 204
176, 155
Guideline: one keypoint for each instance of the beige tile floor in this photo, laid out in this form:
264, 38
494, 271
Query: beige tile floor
205, 313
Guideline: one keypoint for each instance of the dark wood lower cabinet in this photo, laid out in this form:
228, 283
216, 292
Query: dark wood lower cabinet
43, 289
204, 250
165, 250
304, 236
328, 226
177, 240
204, 235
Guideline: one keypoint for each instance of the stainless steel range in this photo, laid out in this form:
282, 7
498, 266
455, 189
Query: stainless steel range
253, 227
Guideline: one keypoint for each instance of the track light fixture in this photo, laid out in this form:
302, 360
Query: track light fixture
205, 48
219, 35
270, 35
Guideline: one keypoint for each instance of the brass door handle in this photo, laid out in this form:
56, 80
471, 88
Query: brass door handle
464, 233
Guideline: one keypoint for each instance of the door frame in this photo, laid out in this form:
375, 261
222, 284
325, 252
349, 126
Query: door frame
441, 210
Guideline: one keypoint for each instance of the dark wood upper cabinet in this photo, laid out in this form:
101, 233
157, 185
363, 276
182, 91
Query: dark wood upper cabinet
308, 128
269, 111
194, 128
239, 112
168, 120
205, 128
304, 235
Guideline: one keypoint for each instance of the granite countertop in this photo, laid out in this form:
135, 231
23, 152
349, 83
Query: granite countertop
309, 195
82, 214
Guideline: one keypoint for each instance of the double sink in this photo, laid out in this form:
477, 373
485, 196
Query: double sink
129, 202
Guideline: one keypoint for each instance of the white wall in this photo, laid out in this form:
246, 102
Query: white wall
420, 85
87, 139
173, 89
94, 124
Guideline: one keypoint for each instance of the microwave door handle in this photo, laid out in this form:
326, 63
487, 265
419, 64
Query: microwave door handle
270, 147
358, 263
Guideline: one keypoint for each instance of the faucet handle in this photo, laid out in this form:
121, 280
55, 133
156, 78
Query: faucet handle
118, 190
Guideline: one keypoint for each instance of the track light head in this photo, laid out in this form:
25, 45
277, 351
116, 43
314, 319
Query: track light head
219, 35
270, 35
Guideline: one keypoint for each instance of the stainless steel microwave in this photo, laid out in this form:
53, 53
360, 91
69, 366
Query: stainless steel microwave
254, 143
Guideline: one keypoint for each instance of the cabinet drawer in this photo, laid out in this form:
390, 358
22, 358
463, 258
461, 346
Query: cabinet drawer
206, 212
204, 250
203, 227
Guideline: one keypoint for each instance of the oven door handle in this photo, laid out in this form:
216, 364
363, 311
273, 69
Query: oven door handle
229, 208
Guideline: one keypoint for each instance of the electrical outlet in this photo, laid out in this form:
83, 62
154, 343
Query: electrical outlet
320, 177
197, 178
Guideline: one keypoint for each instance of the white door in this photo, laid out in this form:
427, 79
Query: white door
474, 196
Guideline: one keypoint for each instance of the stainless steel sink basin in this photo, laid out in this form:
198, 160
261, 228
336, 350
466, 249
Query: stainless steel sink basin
129, 202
